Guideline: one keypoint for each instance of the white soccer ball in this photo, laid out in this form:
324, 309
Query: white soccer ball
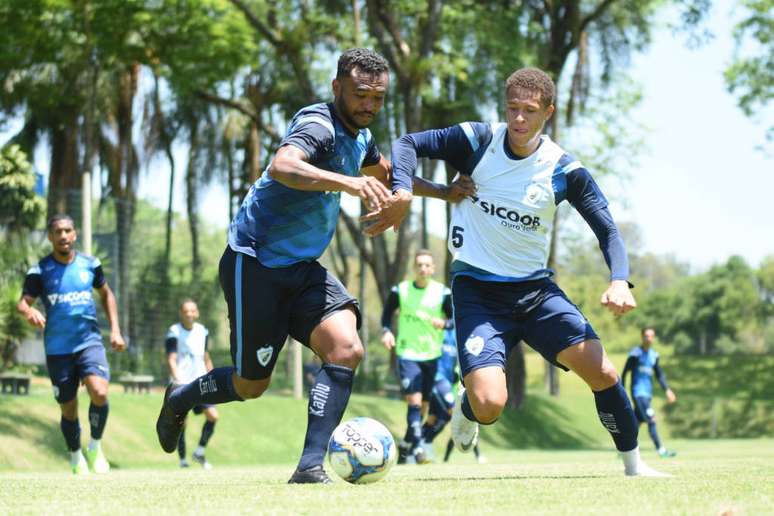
361, 450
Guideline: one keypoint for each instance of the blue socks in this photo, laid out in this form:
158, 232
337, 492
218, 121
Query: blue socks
328, 399
429, 431
654, 434
616, 414
72, 433
97, 419
414, 421
207, 430
467, 411
215, 387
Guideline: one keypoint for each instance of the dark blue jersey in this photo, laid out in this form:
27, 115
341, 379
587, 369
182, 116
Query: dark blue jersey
281, 226
447, 362
65, 289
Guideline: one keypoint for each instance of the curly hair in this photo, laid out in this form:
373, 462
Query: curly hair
535, 80
363, 59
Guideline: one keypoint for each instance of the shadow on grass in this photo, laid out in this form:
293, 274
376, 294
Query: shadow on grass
504, 477
43, 433
540, 423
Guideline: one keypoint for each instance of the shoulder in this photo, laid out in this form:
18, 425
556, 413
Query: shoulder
86, 260
635, 352
314, 114
174, 330
201, 328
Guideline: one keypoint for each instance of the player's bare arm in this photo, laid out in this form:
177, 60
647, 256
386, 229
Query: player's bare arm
111, 309
290, 168
33, 316
172, 363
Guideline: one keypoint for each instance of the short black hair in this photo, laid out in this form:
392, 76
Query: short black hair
646, 328
534, 80
56, 218
363, 59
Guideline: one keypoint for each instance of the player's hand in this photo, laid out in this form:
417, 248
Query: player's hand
438, 323
117, 341
371, 192
391, 215
670, 396
618, 298
388, 339
461, 188
35, 318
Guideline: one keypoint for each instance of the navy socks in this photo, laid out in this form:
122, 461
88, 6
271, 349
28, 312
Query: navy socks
654, 434
207, 430
181, 445
414, 422
98, 419
72, 433
213, 388
616, 414
328, 399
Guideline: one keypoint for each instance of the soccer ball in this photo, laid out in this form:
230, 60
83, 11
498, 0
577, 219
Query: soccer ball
361, 450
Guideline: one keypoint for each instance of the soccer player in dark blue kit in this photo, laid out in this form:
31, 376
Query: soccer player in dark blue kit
74, 350
500, 239
643, 364
269, 272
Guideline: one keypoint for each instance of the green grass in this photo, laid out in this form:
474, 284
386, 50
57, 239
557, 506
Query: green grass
710, 477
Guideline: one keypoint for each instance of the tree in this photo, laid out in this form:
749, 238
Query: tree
20, 208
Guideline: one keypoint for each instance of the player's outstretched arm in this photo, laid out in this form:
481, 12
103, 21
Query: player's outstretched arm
111, 309
30, 313
290, 168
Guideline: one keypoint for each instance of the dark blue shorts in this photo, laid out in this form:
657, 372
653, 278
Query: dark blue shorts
416, 376
442, 399
67, 371
643, 410
266, 305
491, 317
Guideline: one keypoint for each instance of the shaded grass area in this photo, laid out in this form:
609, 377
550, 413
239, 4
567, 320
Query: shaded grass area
730, 477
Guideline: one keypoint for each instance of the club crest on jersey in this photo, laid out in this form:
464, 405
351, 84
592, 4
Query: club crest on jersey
84, 276
534, 193
264, 355
474, 345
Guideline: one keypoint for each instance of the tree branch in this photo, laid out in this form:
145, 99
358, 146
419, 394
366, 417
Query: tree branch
596, 13
242, 108
261, 27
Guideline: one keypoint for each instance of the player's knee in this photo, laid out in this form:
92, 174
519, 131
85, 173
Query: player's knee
250, 389
603, 378
98, 395
212, 416
348, 352
488, 407
69, 410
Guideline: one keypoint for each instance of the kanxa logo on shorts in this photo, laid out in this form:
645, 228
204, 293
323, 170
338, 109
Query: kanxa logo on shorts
264, 355
474, 345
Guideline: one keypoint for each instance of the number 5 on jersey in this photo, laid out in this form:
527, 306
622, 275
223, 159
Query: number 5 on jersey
456, 236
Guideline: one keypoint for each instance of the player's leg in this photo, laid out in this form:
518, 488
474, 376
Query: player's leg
255, 312
64, 379
181, 449
94, 370
410, 376
211, 417
441, 405
325, 317
449, 448
429, 369
589, 361
646, 414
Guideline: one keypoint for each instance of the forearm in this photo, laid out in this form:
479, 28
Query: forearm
172, 363
111, 310
23, 307
424, 188
610, 242
300, 175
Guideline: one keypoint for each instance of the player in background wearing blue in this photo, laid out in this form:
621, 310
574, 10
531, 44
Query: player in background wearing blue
500, 240
188, 358
424, 307
643, 363
269, 272
74, 350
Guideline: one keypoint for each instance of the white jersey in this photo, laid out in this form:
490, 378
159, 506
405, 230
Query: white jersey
190, 348
506, 229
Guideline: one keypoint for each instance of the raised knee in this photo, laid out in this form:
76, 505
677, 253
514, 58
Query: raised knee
347, 353
488, 408
249, 390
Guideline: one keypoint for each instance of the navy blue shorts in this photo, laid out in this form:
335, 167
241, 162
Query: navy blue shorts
643, 410
67, 371
491, 317
417, 376
442, 399
265, 305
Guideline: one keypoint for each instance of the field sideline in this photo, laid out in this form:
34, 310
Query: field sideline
711, 477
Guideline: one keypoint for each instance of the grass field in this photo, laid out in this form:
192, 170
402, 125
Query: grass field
550, 457
717, 477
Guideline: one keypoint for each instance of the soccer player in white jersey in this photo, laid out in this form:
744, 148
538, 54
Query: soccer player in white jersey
188, 359
500, 239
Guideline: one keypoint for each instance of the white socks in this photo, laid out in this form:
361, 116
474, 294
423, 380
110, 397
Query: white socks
631, 461
94, 444
75, 457
199, 450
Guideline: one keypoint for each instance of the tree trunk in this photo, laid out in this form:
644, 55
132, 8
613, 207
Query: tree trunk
192, 194
64, 181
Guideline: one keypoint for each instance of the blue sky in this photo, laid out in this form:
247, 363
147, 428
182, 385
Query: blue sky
700, 191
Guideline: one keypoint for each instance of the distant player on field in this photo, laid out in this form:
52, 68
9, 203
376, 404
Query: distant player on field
643, 363
271, 279
188, 359
500, 241
74, 350
424, 306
